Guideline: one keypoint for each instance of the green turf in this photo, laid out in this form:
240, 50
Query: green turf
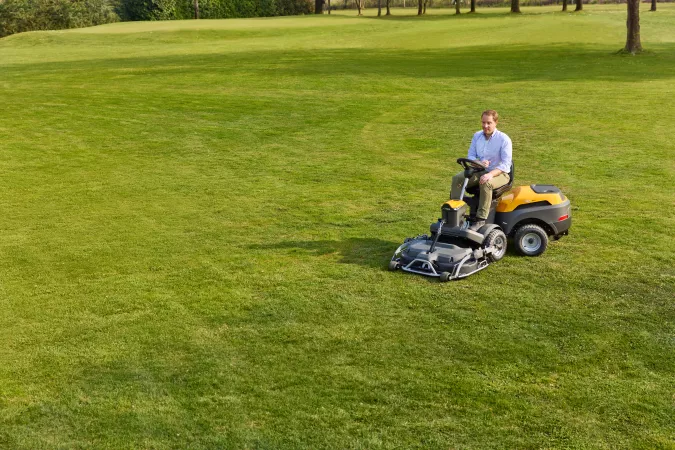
197, 218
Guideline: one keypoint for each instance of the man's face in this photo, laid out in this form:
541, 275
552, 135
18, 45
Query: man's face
489, 125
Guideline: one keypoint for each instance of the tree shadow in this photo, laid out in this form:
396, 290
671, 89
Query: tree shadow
507, 63
369, 252
440, 17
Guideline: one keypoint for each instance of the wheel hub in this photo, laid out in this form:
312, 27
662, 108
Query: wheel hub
499, 245
531, 242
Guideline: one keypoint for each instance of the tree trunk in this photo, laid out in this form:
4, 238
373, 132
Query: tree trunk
388, 11
358, 6
564, 5
653, 8
457, 11
424, 10
196, 6
318, 6
473, 6
379, 8
329, 7
419, 7
633, 44
580, 5
515, 6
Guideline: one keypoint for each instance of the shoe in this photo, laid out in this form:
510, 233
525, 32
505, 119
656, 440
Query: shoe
475, 226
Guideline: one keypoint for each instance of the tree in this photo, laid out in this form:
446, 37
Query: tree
196, 6
318, 6
473, 6
633, 44
564, 5
379, 8
653, 8
580, 5
457, 11
515, 6
388, 11
424, 10
359, 6
419, 7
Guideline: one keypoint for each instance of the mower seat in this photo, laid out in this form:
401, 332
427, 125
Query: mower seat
496, 193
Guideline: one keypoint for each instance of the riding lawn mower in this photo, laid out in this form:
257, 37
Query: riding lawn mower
529, 215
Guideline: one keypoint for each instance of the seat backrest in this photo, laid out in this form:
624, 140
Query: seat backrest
500, 190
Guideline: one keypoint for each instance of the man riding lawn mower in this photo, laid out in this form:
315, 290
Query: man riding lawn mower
460, 244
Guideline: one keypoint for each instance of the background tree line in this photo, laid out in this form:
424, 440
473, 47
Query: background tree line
17, 16
30, 15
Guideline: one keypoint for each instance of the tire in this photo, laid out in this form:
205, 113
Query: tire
445, 276
496, 238
530, 240
393, 265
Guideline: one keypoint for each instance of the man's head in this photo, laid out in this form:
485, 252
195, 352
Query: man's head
489, 120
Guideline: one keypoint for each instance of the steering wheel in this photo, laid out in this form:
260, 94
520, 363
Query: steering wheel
470, 164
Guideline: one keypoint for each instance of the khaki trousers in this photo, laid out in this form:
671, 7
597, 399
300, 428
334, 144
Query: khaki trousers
485, 190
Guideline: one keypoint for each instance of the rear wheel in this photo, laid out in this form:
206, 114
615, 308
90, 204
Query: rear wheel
445, 276
393, 265
530, 240
497, 240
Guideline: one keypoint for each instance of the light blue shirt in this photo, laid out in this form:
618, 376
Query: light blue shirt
497, 150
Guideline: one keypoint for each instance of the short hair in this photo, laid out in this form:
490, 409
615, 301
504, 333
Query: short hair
491, 112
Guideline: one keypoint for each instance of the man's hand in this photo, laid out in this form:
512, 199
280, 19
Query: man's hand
485, 178
486, 163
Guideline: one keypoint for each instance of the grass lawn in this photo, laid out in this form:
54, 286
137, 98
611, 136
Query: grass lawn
196, 220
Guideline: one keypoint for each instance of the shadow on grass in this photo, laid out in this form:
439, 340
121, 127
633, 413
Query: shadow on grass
369, 252
465, 15
446, 14
507, 63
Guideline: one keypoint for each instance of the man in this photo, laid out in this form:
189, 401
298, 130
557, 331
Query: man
493, 149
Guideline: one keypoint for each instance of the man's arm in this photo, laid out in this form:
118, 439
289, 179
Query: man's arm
473, 155
505, 154
473, 152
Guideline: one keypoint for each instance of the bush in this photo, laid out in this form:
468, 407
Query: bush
211, 9
172, 10
17, 16
294, 7
134, 10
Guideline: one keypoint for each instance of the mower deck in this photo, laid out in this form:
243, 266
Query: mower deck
446, 260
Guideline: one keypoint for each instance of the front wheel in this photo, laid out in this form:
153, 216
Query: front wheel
497, 240
393, 265
445, 276
530, 240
